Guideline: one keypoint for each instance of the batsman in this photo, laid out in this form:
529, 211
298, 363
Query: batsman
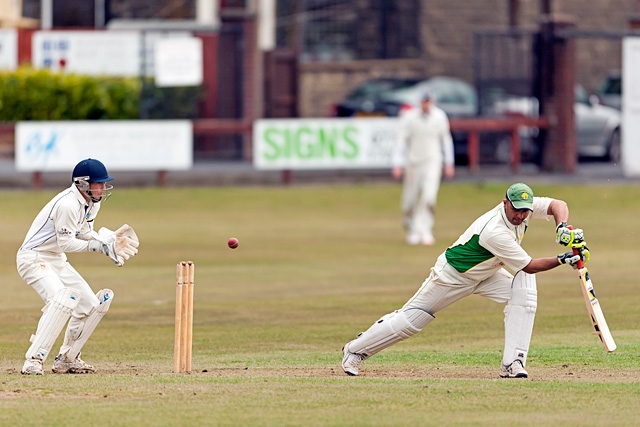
66, 224
487, 260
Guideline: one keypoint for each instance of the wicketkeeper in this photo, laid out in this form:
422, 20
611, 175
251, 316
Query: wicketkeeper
66, 224
477, 263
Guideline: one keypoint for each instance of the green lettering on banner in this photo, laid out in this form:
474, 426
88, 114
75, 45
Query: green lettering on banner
304, 143
351, 146
286, 144
270, 136
307, 143
327, 142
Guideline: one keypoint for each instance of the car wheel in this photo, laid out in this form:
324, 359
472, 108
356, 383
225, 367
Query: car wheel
614, 151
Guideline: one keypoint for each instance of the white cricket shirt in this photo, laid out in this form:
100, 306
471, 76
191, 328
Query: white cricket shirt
424, 138
63, 225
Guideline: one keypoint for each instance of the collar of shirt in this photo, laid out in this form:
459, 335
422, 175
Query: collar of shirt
83, 202
518, 230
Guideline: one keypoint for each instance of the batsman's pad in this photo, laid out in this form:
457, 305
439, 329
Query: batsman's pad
55, 315
519, 315
127, 242
79, 331
390, 329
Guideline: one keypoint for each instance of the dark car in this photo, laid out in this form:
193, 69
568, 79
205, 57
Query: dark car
456, 97
364, 100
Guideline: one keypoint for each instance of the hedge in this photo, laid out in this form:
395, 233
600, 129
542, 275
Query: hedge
30, 94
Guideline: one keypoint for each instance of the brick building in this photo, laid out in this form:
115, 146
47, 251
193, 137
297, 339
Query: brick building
446, 31
344, 42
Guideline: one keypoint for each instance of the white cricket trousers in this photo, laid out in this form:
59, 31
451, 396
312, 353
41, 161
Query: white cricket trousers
445, 285
419, 196
47, 274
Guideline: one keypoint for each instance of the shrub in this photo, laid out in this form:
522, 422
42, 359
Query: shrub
30, 94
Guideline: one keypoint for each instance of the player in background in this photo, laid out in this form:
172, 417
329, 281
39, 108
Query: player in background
477, 263
422, 154
65, 224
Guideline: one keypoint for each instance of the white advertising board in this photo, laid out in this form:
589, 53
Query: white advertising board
631, 106
290, 144
8, 49
110, 53
178, 62
136, 145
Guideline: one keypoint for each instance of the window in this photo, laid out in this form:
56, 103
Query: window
343, 30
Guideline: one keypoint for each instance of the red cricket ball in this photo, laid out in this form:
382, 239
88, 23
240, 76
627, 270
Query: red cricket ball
233, 243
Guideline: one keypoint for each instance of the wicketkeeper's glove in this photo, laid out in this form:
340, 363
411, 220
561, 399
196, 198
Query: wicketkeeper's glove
119, 245
126, 242
107, 247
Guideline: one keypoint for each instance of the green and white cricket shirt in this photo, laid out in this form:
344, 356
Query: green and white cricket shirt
492, 242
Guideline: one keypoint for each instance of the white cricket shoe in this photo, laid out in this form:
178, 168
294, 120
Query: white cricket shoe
32, 367
413, 239
514, 370
351, 361
61, 365
428, 240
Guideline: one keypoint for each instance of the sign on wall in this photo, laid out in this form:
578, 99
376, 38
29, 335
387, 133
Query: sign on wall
290, 144
136, 145
178, 61
8, 49
111, 53
631, 106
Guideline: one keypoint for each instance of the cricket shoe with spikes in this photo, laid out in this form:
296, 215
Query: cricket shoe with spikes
351, 361
514, 370
61, 365
32, 367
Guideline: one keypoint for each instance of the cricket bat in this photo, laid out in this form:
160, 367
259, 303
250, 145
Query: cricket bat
593, 308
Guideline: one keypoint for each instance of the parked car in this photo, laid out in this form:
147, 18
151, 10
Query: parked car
610, 93
456, 97
597, 126
364, 100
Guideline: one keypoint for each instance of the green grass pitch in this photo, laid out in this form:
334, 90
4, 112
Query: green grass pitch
316, 265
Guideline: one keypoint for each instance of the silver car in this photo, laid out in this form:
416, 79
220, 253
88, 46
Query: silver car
597, 126
610, 93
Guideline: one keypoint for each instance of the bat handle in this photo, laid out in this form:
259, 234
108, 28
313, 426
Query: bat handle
579, 264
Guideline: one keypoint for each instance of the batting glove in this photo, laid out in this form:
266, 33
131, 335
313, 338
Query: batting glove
566, 236
572, 259
578, 239
584, 254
